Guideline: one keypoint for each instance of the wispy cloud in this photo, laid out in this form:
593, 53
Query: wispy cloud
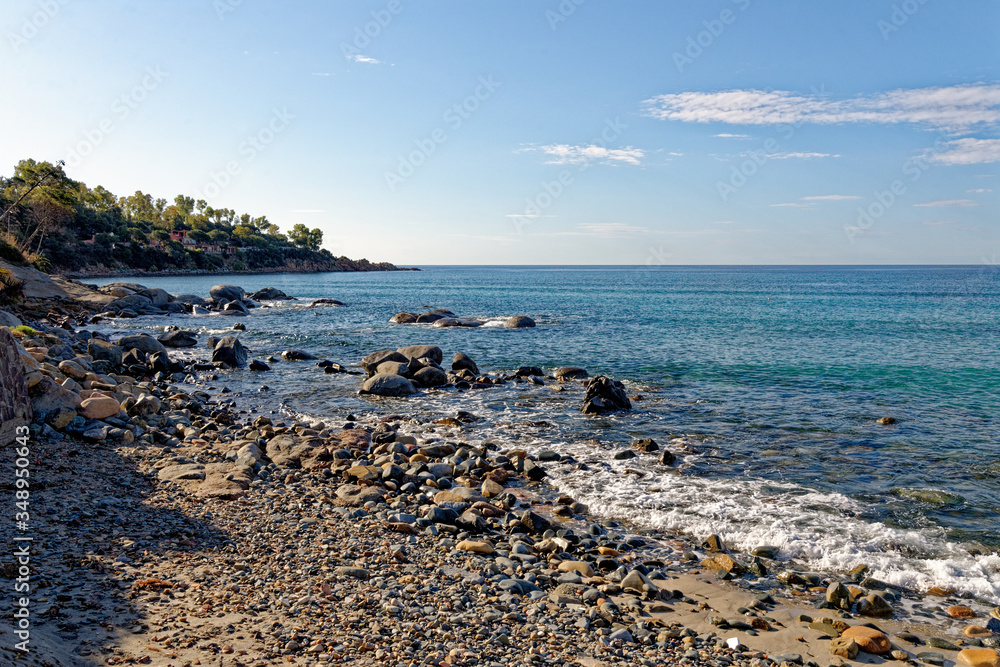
978, 191
800, 156
727, 135
322, 74
567, 154
947, 108
830, 197
968, 151
614, 229
941, 203
938, 223
793, 205
358, 58
530, 216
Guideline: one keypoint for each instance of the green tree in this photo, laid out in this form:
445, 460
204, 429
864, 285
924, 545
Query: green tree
304, 237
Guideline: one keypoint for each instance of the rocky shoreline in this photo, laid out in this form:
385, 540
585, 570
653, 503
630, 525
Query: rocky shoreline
178, 525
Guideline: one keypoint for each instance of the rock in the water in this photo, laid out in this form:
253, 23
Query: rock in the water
99, 407
326, 302
385, 384
961, 611
432, 352
235, 308
230, 351
838, 595
371, 362
403, 318
667, 459
157, 296
529, 371
178, 339
226, 293
570, 373
296, 355
519, 322
257, 365
142, 342
462, 361
430, 377
979, 657
868, 639
605, 395
269, 294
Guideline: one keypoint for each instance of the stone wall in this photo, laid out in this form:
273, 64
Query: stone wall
15, 406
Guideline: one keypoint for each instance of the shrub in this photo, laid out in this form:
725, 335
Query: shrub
11, 254
11, 289
24, 329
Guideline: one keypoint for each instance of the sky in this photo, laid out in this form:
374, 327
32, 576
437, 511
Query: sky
534, 131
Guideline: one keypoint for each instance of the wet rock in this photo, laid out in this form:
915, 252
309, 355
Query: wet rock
529, 371
943, 644
979, 657
372, 361
326, 302
296, 355
874, 606
178, 339
269, 294
257, 365
667, 458
570, 373
960, 611
226, 293
838, 596
403, 318
432, 352
229, 350
713, 543
461, 361
519, 322
931, 658
605, 395
384, 384
430, 377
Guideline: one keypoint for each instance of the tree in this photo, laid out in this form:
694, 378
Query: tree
304, 237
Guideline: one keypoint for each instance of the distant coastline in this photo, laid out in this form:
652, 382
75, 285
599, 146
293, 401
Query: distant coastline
127, 273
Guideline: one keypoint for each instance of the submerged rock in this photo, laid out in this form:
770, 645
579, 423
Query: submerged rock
605, 395
519, 322
386, 384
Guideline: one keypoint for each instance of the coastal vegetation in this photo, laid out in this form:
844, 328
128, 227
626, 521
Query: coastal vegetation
61, 225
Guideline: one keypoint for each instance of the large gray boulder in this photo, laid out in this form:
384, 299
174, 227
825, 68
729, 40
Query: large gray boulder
8, 320
519, 322
371, 362
178, 339
226, 293
386, 384
417, 351
430, 377
102, 350
605, 395
141, 342
570, 373
230, 351
270, 294
403, 318
134, 302
157, 296
462, 361
190, 300
235, 308
50, 396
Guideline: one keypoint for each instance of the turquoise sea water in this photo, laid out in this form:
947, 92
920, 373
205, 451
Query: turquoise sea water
767, 380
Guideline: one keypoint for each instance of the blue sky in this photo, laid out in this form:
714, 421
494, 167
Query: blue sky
541, 132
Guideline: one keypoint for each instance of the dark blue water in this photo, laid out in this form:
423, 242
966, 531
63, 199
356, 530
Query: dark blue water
769, 381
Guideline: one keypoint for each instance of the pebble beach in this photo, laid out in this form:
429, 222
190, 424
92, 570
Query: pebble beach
179, 523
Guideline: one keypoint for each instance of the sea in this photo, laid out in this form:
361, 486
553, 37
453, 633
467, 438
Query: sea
767, 382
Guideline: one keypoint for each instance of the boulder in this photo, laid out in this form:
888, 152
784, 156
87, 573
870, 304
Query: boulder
99, 407
157, 296
8, 320
403, 318
256, 365
371, 362
296, 355
430, 377
190, 300
462, 361
428, 318
529, 371
178, 339
352, 495
226, 293
230, 351
570, 373
868, 639
519, 322
979, 657
326, 302
394, 368
605, 395
134, 302
235, 308
875, 606
51, 396
385, 384
417, 351
143, 343
269, 294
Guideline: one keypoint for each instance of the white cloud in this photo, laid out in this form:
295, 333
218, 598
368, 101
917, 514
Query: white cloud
950, 108
978, 191
799, 156
947, 202
365, 59
530, 216
566, 154
830, 197
726, 135
969, 151
613, 229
